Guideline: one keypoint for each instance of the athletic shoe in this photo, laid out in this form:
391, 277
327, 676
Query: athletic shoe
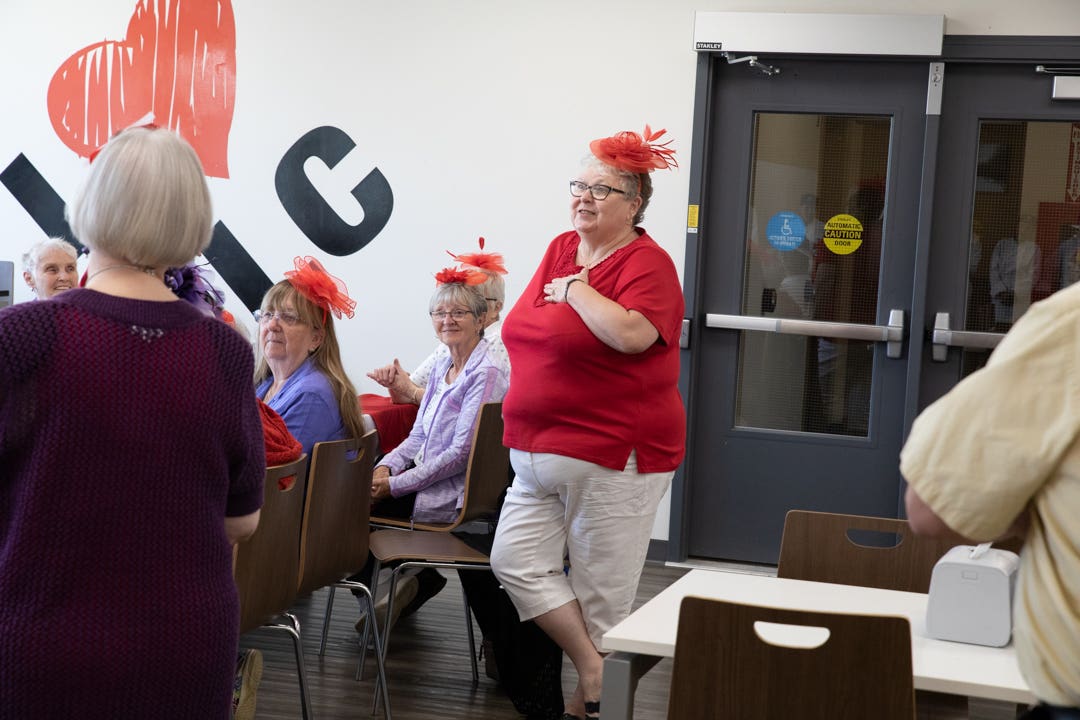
249, 666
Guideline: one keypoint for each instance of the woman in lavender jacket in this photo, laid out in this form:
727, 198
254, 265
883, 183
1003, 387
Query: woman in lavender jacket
423, 478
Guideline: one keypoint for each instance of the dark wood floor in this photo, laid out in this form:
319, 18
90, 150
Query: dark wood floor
428, 664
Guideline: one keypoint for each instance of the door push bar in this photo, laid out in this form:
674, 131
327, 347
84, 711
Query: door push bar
892, 334
944, 338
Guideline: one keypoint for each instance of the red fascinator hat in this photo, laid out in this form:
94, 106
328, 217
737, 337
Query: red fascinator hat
459, 276
635, 153
491, 262
312, 281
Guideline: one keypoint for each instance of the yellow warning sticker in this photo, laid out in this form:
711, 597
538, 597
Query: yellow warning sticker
691, 216
843, 234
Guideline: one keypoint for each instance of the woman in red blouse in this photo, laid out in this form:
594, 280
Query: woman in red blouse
593, 416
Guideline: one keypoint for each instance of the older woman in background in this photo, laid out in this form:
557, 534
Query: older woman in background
427, 470
409, 388
50, 266
112, 562
600, 321
298, 370
423, 478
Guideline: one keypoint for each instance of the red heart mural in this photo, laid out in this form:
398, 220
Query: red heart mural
177, 64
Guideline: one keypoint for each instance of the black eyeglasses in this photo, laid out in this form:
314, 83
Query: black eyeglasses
457, 315
599, 192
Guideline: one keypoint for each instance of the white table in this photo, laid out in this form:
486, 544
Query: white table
641, 640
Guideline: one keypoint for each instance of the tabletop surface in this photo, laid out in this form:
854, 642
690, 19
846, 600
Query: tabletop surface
938, 665
392, 420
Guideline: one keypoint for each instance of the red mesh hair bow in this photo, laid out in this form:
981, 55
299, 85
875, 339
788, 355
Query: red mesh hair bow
492, 262
635, 153
460, 276
312, 281
97, 151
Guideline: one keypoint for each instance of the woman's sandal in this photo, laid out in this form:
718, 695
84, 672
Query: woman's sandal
592, 712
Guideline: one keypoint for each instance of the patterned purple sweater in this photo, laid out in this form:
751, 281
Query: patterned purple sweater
128, 432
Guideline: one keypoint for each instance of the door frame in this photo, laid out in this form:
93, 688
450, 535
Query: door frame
955, 48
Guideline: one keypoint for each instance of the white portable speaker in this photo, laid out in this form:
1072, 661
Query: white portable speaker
971, 592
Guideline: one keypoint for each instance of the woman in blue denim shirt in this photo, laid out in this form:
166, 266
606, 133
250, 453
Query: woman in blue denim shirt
298, 369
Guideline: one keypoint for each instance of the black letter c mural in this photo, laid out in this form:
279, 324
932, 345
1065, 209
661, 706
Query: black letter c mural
310, 211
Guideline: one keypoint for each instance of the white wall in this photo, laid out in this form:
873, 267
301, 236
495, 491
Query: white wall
477, 112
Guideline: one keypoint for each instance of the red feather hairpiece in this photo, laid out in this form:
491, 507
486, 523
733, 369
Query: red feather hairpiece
635, 153
460, 276
491, 262
320, 287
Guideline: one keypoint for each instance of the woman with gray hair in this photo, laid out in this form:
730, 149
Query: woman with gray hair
50, 266
423, 478
409, 388
113, 558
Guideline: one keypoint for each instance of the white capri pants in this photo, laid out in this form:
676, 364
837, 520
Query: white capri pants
601, 518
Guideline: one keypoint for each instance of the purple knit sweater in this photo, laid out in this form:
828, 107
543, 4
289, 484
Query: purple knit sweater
128, 432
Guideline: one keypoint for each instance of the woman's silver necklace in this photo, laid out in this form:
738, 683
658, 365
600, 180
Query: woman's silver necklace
122, 266
618, 246
602, 258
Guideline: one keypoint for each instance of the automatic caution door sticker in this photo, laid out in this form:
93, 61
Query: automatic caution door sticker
843, 234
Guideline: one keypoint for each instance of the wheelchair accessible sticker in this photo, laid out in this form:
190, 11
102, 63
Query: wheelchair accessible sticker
785, 231
843, 234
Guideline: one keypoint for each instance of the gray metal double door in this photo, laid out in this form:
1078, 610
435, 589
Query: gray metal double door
846, 207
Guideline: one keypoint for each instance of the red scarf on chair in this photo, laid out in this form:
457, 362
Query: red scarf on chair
281, 446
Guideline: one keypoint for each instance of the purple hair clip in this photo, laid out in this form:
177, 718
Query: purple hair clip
188, 283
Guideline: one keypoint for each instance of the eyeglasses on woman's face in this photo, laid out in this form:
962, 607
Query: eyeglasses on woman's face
599, 192
264, 317
455, 315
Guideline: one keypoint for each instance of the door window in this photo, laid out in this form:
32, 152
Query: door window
813, 252
1025, 222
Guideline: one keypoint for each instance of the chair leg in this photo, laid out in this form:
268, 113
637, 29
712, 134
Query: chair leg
386, 628
293, 628
472, 641
326, 621
390, 613
380, 668
389, 610
371, 615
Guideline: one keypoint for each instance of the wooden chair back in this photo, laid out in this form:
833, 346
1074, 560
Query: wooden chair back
489, 465
831, 547
725, 668
334, 535
486, 475
268, 563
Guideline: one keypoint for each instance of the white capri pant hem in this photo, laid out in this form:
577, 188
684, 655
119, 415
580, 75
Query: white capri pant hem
601, 519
